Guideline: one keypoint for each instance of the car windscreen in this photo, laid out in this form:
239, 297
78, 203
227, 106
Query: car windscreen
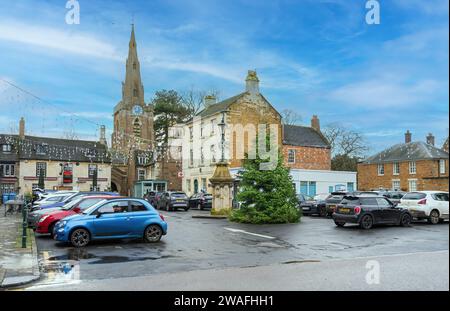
71, 204
178, 195
350, 201
335, 198
208, 196
86, 203
94, 207
414, 196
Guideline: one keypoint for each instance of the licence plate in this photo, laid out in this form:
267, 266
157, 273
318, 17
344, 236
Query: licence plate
180, 201
305, 208
344, 210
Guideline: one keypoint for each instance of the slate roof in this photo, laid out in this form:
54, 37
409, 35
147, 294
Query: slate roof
303, 136
55, 149
220, 106
407, 152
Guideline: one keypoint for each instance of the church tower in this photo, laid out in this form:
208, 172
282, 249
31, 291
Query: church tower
133, 135
132, 117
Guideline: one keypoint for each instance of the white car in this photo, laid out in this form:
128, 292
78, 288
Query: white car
430, 205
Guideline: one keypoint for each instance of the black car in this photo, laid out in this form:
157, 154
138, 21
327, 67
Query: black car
200, 200
310, 206
370, 210
172, 201
333, 200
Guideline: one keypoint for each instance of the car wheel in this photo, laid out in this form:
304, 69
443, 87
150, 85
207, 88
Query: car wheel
434, 217
153, 234
80, 238
406, 220
322, 212
186, 208
366, 222
200, 207
340, 223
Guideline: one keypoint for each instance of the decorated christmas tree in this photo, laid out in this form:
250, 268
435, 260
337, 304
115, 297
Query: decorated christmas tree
266, 196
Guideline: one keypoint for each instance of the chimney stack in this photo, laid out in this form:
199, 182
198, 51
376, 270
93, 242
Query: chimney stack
252, 83
315, 123
407, 137
103, 135
430, 139
22, 128
209, 100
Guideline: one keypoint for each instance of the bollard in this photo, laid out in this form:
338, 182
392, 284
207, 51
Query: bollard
24, 227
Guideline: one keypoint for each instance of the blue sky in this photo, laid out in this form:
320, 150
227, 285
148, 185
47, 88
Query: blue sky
312, 56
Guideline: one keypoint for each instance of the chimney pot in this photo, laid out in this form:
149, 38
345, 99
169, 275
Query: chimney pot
103, 135
315, 123
209, 100
252, 83
408, 137
430, 139
22, 128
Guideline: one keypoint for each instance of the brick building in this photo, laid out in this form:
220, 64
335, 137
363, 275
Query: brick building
409, 166
306, 147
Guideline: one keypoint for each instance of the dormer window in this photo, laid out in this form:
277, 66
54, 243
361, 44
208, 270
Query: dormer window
42, 149
6, 148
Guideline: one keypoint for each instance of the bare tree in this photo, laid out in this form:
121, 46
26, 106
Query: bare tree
193, 99
290, 117
345, 142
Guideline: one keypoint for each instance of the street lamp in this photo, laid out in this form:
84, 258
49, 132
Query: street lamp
222, 130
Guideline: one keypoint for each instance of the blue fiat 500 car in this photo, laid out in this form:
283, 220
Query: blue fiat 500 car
121, 218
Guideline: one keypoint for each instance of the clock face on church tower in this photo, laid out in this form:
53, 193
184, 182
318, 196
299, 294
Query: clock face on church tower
137, 110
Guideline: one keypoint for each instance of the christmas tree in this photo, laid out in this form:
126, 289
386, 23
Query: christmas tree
266, 196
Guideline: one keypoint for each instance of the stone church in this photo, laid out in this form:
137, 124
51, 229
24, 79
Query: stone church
133, 135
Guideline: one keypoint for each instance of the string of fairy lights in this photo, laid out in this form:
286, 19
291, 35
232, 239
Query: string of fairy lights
124, 144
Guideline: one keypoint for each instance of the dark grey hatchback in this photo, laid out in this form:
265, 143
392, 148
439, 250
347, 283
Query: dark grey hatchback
368, 211
171, 201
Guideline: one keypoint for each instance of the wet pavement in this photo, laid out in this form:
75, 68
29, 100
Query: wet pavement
202, 244
17, 265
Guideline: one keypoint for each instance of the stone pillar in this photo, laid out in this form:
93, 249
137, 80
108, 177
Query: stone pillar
222, 185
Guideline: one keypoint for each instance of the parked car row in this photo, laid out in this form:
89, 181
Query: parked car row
87, 216
174, 200
368, 208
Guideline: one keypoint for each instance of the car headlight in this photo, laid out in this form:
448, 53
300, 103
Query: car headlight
43, 218
63, 223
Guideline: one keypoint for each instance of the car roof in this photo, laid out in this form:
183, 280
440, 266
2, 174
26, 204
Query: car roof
427, 192
100, 197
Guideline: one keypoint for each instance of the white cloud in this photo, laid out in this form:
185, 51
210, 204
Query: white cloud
55, 39
380, 93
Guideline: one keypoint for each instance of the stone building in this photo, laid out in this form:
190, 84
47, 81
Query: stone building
409, 166
65, 164
242, 115
306, 151
133, 135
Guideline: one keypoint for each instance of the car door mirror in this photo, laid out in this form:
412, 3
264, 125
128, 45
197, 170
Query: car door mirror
99, 214
77, 210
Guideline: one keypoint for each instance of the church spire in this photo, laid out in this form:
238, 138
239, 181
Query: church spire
132, 89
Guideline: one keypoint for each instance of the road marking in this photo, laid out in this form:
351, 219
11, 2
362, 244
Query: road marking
250, 233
